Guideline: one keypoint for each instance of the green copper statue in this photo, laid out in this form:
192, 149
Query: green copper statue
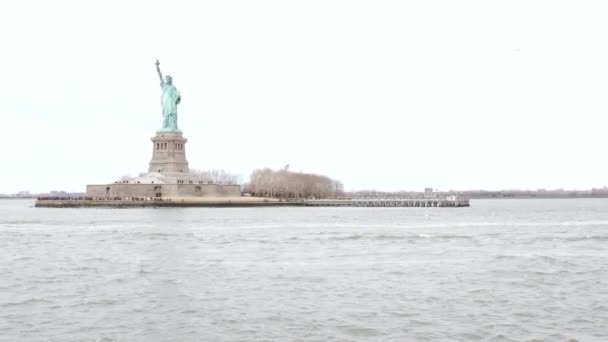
169, 101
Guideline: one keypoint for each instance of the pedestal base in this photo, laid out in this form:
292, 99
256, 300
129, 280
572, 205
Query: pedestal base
169, 153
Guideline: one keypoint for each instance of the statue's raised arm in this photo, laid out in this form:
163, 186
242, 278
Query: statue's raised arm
158, 71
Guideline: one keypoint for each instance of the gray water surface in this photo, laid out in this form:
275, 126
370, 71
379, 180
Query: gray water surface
501, 270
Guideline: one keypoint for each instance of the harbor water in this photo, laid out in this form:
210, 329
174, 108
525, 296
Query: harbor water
499, 270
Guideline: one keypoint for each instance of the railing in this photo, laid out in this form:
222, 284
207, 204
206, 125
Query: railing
103, 198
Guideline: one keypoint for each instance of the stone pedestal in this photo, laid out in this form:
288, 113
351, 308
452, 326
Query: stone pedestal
169, 153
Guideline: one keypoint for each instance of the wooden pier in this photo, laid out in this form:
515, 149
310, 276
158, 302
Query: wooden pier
405, 202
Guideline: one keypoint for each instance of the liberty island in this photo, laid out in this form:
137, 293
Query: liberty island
170, 182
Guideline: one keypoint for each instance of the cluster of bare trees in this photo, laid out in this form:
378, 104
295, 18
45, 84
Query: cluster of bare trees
286, 184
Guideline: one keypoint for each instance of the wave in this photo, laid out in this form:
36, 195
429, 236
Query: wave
587, 238
423, 225
29, 301
349, 237
402, 237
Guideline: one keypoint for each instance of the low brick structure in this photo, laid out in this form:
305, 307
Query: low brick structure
163, 190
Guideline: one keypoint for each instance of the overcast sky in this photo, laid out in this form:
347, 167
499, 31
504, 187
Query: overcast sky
378, 94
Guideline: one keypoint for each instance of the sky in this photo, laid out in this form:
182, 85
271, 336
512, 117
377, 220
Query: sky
386, 95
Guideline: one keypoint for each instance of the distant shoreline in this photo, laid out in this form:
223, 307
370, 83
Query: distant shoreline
535, 197
17, 198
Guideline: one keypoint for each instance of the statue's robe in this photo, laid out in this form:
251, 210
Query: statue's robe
169, 100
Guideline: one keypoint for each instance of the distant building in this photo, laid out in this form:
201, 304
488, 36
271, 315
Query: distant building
428, 193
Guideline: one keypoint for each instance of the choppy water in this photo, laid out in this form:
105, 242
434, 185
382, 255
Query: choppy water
504, 270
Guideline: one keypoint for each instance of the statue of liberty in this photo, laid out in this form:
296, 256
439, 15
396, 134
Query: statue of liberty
169, 101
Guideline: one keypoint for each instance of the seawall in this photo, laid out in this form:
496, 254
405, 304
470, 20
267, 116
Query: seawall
72, 203
241, 202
